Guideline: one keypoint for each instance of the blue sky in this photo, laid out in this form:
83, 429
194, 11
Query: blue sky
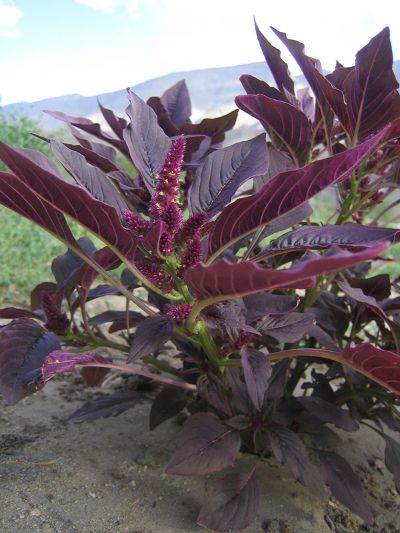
55, 47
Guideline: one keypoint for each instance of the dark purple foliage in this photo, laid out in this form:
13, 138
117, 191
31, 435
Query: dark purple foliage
273, 338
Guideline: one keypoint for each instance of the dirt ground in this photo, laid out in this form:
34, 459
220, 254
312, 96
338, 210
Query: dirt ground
107, 476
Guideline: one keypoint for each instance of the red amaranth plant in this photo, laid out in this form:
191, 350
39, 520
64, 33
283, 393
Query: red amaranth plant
224, 258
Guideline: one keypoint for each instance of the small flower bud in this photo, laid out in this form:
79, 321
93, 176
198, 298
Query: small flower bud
178, 312
162, 280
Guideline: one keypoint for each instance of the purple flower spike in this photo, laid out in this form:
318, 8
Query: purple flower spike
191, 227
192, 255
168, 184
178, 312
166, 244
173, 218
136, 223
162, 280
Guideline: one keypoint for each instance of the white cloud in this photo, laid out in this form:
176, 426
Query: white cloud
9, 17
11, 34
109, 6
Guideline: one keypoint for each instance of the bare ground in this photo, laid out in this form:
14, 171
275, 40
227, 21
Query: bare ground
107, 476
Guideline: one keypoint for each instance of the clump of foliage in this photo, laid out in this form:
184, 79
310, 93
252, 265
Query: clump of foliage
281, 328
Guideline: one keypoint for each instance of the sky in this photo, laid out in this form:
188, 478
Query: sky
56, 47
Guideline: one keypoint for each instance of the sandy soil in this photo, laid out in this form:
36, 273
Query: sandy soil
107, 476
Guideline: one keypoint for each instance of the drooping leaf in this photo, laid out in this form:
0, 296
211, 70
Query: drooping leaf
261, 304
318, 237
19, 197
344, 484
71, 199
148, 145
114, 316
257, 373
59, 361
18, 312
104, 406
223, 280
92, 178
392, 459
167, 404
371, 89
149, 336
90, 127
212, 127
235, 507
290, 450
287, 191
284, 120
176, 101
24, 345
370, 302
329, 413
205, 445
224, 171
290, 327
381, 366
278, 67
66, 265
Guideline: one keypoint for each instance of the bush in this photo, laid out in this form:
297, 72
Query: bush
281, 327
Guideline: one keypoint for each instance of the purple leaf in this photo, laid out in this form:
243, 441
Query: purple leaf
176, 101
257, 373
287, 191
381, 366
20, 198
290, 450
235, 507
253, 85
284, 120
105, 406
222, 280
359, 296
371, 88
319, 237
213, 391
24, 345
344, 484
224, 171
93, 376
328, 97
148, 145
149, 336
114, 316
92, 178
276, 64
16, 312
167, 404
66, 265
71, 199
205, 445
58, 362
278, 161
163, 118
212, 127
392, 459
290, 327
90, 127
261, 304
117, 124
329, 413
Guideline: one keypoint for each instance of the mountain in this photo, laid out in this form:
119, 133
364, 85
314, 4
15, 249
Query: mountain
212, 92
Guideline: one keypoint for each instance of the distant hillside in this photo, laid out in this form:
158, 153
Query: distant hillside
212, 91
